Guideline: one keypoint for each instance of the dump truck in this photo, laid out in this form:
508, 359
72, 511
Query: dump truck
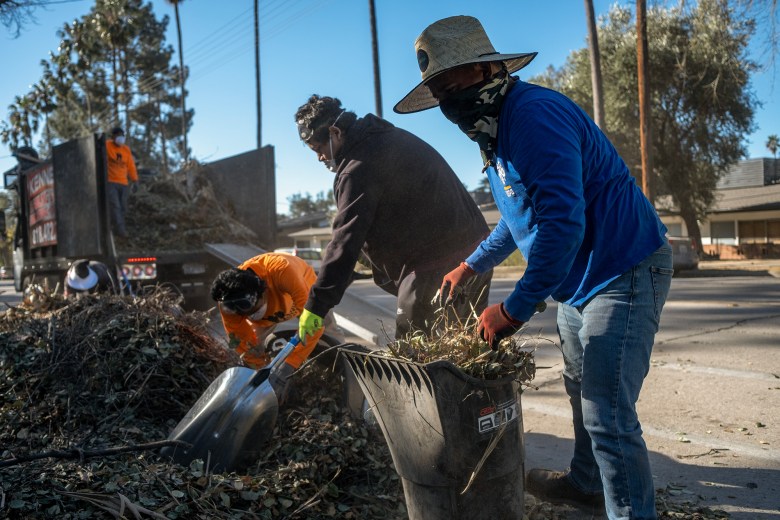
62, 215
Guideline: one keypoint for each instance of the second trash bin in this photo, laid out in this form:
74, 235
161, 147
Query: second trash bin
439, 424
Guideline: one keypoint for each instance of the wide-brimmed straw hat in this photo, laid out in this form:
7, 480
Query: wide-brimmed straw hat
449, 43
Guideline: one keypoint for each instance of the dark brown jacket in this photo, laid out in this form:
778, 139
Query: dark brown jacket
401, 204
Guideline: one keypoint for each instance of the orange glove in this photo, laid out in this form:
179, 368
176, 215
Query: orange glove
495, 324
452, 284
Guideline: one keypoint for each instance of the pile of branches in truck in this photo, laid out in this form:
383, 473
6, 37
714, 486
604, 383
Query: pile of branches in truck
180, 212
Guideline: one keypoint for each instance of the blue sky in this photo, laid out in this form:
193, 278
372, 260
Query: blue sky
324, 47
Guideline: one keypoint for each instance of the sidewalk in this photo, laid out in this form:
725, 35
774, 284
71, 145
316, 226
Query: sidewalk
706, 269
769, 266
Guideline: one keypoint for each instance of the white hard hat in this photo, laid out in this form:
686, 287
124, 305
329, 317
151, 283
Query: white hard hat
81, 277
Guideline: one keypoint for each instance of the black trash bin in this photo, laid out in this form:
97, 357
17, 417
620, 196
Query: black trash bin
439, 423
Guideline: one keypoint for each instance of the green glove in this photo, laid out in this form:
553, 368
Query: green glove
308, 325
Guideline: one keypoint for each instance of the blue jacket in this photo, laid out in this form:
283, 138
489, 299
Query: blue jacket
567, 201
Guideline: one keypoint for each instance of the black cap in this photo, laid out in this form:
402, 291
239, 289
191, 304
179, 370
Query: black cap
25, 150
117, 131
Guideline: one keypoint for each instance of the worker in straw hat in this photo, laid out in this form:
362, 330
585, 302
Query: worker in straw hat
592, 241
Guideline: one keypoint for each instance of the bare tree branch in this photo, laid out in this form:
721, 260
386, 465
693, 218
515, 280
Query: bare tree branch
75, 453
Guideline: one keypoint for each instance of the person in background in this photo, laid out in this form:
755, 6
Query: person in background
592, 241
90, 277
399, 203
121, 172
255, 297
26, 157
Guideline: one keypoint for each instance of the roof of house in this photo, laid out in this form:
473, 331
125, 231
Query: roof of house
760, 198
741, 199
319, 219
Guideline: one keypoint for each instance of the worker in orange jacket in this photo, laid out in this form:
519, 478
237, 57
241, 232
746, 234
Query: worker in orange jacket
258, 295
121, 171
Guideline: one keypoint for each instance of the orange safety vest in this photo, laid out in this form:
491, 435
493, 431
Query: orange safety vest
288, 280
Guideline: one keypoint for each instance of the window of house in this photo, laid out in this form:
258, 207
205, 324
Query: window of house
674, 230
773, 231
722, 229
752, 231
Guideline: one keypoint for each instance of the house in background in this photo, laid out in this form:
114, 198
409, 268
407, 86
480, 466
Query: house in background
744, 221
314, 237
307, 231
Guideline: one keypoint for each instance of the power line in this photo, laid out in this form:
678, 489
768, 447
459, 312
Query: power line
53, 2
268, 34
222, 49
202, 56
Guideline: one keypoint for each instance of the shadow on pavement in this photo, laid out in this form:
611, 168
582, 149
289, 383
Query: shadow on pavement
710, 480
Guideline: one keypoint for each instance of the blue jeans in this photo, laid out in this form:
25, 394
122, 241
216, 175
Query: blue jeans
606, 345
117, 202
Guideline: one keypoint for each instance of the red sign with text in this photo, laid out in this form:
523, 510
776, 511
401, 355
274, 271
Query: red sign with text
42, 221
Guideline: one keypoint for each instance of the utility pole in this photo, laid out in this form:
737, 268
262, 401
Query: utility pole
375, 51
595, 65
162, 135
644, 100
186, 151
257, 77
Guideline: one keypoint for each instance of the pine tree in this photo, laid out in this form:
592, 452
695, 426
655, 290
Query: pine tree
112, 68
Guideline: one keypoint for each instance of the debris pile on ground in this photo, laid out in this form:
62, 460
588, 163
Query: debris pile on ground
89, 389
180, 212
82, 382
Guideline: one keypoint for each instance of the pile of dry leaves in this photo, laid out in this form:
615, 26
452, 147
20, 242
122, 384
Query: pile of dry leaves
90, 389
459, 343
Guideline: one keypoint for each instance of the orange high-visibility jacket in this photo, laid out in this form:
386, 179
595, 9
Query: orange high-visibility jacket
121, 165
288, 280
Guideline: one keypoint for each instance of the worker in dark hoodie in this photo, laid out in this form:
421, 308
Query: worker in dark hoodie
400, 203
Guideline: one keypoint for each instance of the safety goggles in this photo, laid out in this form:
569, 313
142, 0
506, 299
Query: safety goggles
306, 133
240, 306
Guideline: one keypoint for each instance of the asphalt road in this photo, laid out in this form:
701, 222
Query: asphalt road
710, 407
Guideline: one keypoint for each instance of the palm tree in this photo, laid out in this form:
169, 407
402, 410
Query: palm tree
185, 151
772, 144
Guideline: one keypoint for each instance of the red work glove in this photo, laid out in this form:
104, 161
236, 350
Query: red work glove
495, 324
452, 284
